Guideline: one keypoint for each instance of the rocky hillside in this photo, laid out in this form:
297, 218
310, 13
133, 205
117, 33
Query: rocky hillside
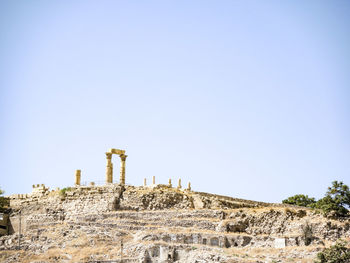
161, 224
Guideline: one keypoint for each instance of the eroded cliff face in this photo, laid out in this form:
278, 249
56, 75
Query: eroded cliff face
162, 224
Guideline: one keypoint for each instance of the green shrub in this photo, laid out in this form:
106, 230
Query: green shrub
307, 231
64, 190
300, 200
338, 253
4, 202
335, 203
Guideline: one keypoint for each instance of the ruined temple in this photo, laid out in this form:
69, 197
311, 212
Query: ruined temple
117, 222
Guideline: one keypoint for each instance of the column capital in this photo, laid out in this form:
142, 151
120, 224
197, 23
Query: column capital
109, 155
123, 157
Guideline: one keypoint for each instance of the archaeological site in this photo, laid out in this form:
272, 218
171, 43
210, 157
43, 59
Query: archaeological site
117, 222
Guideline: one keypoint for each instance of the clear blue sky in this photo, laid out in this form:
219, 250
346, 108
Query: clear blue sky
249, 99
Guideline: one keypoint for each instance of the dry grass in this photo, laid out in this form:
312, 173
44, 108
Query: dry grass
268, 253
71, 254
80, 246
79, 250
6, 254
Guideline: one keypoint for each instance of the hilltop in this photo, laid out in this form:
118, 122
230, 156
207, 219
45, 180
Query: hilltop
159, 223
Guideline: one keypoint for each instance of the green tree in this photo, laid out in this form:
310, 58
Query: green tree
339, 253
340, 193
3, 200
300, 200
336, 201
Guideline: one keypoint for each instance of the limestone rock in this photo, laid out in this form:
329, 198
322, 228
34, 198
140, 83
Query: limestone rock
161, 224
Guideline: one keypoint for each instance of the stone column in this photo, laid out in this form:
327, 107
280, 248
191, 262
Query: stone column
144, 182
179, 186
77, 177
122, 169
170, 185
109, 168
189, 186
153, 180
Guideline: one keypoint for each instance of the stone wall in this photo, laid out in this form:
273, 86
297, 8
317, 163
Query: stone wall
52, 206
65, 204
158, 223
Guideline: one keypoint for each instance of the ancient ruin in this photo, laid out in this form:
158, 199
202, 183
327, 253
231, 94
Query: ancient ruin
109, 167
116, 222
77, 177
